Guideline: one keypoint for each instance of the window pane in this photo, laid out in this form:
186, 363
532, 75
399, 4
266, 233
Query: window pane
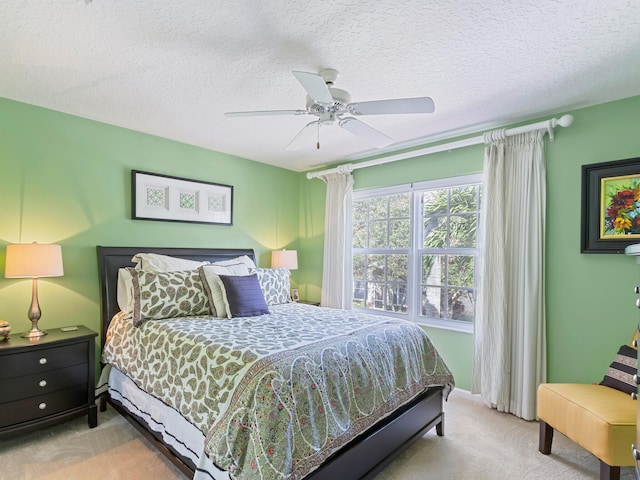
378, 208
399, 233
397, 268
399, 206
396, 298
460, 270
375, 268
359, 289
358, 267
359, 235
360, 208
432, 302
462, 231
461, 304
464, 199
433, 269
378, 234
435, 201
375, 296
435, 232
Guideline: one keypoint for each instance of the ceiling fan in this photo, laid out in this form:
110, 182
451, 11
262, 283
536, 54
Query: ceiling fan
332, 105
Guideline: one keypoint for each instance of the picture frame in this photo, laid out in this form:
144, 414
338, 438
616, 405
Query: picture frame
610, 206
295, 296
174, 199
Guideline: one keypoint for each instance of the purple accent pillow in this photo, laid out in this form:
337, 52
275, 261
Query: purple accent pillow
244, 295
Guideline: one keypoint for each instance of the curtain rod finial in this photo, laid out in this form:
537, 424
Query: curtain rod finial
565, 120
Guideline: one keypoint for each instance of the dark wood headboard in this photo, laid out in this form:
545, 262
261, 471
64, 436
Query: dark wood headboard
110, 259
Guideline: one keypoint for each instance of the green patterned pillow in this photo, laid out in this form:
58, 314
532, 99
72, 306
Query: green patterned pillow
275, 285
167, 295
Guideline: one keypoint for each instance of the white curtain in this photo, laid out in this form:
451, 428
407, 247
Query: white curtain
337, 288
509, 337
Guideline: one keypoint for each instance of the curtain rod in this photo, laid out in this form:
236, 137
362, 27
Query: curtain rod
549, 125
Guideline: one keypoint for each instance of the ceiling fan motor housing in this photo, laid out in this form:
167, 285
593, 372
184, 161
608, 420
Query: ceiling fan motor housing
341, 98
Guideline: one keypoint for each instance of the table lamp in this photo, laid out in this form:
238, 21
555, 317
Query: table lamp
284, 259
33, 260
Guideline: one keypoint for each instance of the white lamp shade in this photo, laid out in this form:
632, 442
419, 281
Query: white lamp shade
32, 260
284, 259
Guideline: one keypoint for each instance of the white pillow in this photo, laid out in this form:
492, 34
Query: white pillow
154, 262
214, 286
245, 260
125, 290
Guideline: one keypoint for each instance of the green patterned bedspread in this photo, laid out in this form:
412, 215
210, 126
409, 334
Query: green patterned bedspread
277, 394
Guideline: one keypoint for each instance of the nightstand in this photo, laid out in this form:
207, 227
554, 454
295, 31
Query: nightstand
47, 380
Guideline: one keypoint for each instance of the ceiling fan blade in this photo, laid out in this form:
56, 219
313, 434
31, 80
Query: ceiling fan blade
315, 86
305, 137
398, 105
366, 132
259, 113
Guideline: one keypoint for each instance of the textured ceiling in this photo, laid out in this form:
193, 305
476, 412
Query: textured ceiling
172, 68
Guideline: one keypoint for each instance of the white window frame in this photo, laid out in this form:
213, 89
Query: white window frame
414, 271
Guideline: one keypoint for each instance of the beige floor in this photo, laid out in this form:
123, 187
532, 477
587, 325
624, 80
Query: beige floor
479, 443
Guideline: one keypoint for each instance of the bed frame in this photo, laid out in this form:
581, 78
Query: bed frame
362, 458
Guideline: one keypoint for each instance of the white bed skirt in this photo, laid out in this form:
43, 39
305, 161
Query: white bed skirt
176, 432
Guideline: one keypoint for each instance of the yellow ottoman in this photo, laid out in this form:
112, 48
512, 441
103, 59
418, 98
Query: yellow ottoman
600, 419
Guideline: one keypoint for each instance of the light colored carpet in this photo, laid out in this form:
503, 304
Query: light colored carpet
479, 443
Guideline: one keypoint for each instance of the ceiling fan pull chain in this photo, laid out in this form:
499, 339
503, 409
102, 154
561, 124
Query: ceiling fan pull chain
318, 141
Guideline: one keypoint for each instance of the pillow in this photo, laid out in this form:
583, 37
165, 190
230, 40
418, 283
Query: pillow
244, 296
124, 291
620, 372
209, 274
160, 295
244, 260
153, 262
275, 285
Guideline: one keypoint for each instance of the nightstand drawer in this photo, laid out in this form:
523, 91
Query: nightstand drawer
43, 405
43, 383
42, 360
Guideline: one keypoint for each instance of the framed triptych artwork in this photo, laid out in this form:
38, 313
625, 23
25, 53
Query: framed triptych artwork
174, 199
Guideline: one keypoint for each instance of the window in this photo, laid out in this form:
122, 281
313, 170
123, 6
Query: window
415, 250
381, 244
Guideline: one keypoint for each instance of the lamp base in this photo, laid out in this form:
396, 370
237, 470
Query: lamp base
34, 334
34, 313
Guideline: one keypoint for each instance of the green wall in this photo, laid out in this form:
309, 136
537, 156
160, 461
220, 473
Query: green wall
66, 180
590, 298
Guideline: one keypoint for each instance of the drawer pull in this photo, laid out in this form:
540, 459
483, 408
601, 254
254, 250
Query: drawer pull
43, 383
42, 406
42, 361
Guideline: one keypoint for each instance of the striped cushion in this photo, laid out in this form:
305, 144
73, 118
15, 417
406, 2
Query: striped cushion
244, 296
621, 371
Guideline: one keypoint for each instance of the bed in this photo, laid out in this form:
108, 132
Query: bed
380, 435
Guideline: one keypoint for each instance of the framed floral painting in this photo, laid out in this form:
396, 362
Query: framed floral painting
610, 206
